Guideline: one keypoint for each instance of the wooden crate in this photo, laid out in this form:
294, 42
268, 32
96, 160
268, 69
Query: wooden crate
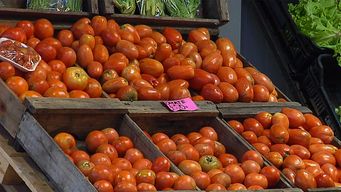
171, 124
245, 112
12, 109
35, 136
213, 13
17, 170
90, 8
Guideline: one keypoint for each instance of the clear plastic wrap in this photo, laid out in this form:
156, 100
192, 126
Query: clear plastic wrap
151, 7
182, 8
125, 6
20, 55
56, 5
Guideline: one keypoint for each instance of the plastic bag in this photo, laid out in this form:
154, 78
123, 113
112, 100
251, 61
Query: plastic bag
20, 55
125, 6
182, 8
151, 7
56, 5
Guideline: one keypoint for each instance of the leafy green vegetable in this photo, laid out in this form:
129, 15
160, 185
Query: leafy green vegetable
338, 112
321, 21
151, 7
182, 8
125, 6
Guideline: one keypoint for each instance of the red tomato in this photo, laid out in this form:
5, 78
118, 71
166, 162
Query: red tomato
27, 26
133, 155
94, 139
85, 166
184, 182
256, 179
250, 166
164, 180
107, 149
253, 155
103, 186
227, 159
122, 144
201, 179
43, 28
15, 33
101, 172
293, 162
272, 174
142, 164
305, 180
173, 37
235, 172
100, 159
79, 155
161, 164
65, 141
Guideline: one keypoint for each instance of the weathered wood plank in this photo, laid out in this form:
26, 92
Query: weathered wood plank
157, 108
11, 109
73, 106
50, 158
20, 169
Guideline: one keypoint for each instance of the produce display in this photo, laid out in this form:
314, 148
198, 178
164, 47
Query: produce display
132, 63
319, 20
56, 5
201, 156
298, 144
112, 163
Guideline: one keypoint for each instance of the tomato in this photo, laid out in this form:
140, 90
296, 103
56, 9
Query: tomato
103, 186
157, 137
265, 140
100, 53
310, 163
113, 85
173, 37
315, 171
87, 39
94, 88
125, 186
65, 141
46, 51
122, 164
300, 151
99, 24
295, 117
209, 132
311, 121
185, 72
142, 164
15, 33
111, 134
124, 176
179, 93
227, 159
250, 166
184, 182
219, 149
140, 83
79, 29
166, 145
149, 45
144, 30
75, 78
108, 150
209, 162
279, 134
27, 26
293, 162
94, 139
101, 172
110, 37
226, 46
283, 149
79, 155
145, 187
197, 35
206, 47
164, 180
323, 157
57, 65
43, 28
133, 155
151, 67
236, 186
330, 170
147, 93
299, 137
17, 84
122, 144
201, 179
179, 139
256, 179
85, 166
305, 180
275, 158
262, 79
200, 79
112, 25
109, 74
323, 132
261, 93
176, 156
65, 37
128, 49
29, 94
253, 155
265, 119
235, 172
158, 37
55, 91
84, 55
212, 62
227, 74
250, 136
32, 42
163, 52
244, 89
251, 124
212, 93
221, 179
67, 56
100, 159
323, 180
272, 175
95, 69
262, 148
145, 176
160, 164
127, 93
236, 125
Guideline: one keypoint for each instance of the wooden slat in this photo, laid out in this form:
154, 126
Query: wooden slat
20, 169
71, 106
241, 110
157, 108
50, 158
11, 109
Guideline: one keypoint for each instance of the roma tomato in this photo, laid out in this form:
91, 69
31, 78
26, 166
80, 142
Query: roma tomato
65, 37
305, 180
15, 33
244, 89
43, 28
185, 72
212, 62
84, 55
173, 37
197, 35
299, 137
279, 134
151, 67
265, 119
275, 158
237, 126
295, 117
100, 159
311, 121
99, 24
272, 174
251, 124
227, 74
147, 93
293, 162
201, 179
325, 133
212, 92
200, 78
112, 86
46, 51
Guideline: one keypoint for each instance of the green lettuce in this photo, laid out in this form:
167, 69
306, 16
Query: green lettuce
182, 8
125, 6
321, 21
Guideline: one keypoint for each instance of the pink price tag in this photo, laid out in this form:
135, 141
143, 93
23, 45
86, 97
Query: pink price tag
181, 104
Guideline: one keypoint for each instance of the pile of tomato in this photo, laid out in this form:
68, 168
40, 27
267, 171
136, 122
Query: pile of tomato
297, 143
201, 156
112, 163
132, 63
